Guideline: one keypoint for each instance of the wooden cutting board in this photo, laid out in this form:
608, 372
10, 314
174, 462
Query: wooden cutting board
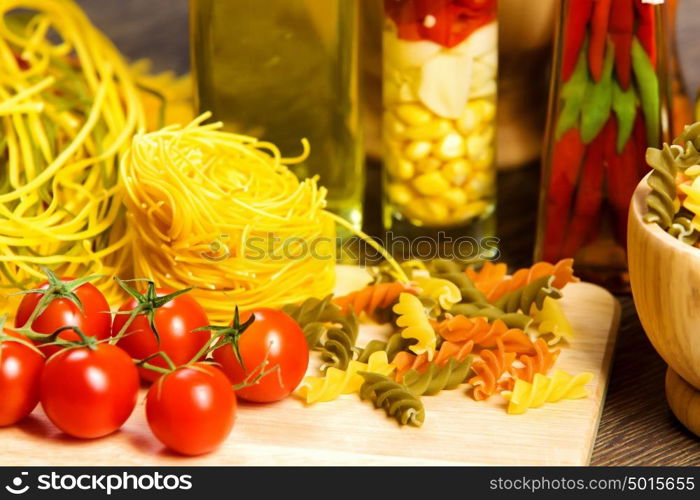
457, 429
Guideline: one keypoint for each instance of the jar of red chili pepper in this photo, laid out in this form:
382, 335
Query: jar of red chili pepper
609, 101
439, 86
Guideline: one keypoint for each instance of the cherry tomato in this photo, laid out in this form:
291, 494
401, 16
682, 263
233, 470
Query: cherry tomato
95, 320
174, 321
275, 337
192, 409
89, 392
20, 373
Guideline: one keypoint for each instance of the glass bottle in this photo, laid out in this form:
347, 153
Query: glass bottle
285, 70
439, 92
609, 101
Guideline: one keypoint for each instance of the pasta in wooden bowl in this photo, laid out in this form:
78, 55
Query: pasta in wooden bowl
665, 279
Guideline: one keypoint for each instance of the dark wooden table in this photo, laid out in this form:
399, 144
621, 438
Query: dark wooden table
637, 427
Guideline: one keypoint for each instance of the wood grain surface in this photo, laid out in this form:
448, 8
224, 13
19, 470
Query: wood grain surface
637, 427
684, 401
457, 430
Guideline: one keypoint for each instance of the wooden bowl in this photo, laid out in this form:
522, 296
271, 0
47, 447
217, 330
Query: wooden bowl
665, 280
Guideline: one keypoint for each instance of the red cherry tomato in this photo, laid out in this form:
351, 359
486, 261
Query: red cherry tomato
275, 337
174, 321
20, 373
192, 409
95, 320
89, 392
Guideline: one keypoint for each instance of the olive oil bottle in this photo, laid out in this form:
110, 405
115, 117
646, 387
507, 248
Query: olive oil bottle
284, 70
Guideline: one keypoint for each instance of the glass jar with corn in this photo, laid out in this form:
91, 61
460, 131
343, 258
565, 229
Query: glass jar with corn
439, 93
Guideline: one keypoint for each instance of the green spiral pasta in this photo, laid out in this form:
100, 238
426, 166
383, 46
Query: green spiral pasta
385, 272
394, 398
438, 378
444, 266
313, 315
682, 228
314, 332
309, 311
690, 138
470, 293
688, 160
662, 181
474, 303
339, 348
395, 344
453, 272
492, 313
524, 297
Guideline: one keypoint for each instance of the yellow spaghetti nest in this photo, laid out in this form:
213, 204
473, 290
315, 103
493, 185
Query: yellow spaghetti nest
222, 212
68, 108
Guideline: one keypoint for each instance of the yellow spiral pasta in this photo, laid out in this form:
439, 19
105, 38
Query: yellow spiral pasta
336, 382
68, 107
416, 325
543, 389
444, 292
551, 320
692, 200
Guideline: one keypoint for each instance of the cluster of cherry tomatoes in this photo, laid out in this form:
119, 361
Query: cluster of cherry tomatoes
83, 363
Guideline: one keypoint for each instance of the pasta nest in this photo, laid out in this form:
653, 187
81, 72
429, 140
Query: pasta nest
68, 107
224, 214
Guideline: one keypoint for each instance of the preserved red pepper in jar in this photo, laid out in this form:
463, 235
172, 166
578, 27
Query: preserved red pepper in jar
609, 101
439, 86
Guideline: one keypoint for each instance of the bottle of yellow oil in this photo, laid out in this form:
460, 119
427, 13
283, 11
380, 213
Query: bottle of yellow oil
284, 70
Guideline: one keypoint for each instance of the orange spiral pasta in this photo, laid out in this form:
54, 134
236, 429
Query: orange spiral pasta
405, 361
541, 362
459, 328
489, 370
453, 350
562, 271
488, 277
373, 297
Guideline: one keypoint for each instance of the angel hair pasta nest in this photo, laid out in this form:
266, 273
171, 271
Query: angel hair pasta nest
223, 213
